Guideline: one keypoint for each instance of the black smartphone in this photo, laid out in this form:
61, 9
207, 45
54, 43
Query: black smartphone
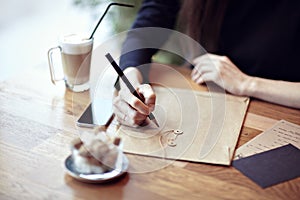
86, 119
96, 114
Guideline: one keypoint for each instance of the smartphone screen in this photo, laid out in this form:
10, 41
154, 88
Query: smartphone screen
97, 113
86, 119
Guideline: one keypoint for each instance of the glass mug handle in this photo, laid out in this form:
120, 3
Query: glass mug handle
50, 62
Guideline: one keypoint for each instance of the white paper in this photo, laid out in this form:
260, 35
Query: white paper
282, 133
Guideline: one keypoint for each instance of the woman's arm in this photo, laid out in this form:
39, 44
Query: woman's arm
153, 13
223, 72
280, 92
130, 110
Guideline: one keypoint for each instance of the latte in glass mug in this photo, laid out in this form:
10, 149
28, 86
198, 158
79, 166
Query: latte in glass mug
76, 52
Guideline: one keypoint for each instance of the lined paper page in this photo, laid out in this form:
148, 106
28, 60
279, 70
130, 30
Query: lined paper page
282, 133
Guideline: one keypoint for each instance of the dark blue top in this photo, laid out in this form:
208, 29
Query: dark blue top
260, 37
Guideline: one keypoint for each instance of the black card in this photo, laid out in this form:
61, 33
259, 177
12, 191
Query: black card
271, 167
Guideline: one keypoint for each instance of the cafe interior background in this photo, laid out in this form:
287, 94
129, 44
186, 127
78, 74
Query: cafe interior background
29, 28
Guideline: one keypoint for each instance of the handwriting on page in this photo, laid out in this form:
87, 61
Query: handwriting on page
282, 133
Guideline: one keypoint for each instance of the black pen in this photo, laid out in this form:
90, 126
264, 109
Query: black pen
128, 84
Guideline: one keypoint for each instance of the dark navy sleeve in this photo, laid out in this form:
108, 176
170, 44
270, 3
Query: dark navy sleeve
153, 13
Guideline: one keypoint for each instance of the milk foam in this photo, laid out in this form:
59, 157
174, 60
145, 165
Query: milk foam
75, 44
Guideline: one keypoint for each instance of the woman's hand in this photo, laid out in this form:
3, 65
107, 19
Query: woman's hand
128, 109
220, 70
223, 72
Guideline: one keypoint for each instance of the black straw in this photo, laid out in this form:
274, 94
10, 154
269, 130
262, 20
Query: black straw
111, 4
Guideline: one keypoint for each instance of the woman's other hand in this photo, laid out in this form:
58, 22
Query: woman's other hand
220, 70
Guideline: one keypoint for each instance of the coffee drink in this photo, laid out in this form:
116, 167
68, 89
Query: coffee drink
76, 52
76, 60
76, 68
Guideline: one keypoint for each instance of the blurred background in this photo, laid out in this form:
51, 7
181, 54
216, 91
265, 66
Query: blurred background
29, 28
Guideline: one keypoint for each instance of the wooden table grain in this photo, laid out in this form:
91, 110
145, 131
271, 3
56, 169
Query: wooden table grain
37, 125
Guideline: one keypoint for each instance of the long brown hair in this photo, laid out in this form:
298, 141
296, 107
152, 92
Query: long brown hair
202, 20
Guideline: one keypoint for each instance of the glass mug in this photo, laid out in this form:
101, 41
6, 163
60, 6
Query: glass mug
76, 53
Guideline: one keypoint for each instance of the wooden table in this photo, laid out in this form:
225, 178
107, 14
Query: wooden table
38, 123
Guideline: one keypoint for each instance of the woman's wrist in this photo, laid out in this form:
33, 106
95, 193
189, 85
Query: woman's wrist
134, 76
249, 86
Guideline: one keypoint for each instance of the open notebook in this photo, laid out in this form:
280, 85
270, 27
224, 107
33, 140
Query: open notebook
194, 126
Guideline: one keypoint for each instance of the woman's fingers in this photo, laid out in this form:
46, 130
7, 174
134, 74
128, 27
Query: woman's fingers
134, 102
126, 114
148, 95
220, 70
131, 110
200, 70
